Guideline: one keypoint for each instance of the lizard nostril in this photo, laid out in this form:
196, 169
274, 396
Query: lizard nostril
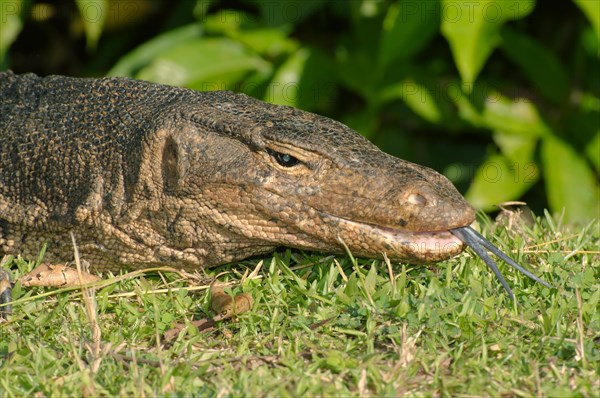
417, 199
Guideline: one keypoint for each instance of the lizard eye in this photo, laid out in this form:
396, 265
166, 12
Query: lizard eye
283, 159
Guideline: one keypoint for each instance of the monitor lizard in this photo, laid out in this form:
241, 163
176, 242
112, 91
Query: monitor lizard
148, 174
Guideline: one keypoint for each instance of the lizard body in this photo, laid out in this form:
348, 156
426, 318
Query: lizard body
149, 174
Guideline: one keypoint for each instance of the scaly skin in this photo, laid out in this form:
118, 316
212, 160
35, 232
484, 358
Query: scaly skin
147, 174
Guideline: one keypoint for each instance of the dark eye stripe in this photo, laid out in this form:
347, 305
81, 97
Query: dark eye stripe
283, 158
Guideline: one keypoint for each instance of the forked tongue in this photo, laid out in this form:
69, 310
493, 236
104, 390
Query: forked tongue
478, 243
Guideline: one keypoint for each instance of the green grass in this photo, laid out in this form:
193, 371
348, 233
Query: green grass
325, 326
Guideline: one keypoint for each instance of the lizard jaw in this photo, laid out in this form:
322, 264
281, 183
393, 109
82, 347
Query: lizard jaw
424, 247
369, 240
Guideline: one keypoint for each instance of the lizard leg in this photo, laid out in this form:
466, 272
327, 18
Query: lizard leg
57, 275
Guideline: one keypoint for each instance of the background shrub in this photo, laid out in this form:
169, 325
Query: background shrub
503, 97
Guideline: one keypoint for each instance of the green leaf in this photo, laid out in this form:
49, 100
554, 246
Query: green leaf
304, 81
485, 107
500, 179
228, 21
552, 80
356, 72
506, 176
268, 42
472, 30
132, 62
408, 27
284, 87
287, 12
203, 64
417, 97
591, 9
583, 128
589, 42
352, 290
11, 24
570, 184
371, 280
515, 147
93, 14
423, 92
365, 122
592, 149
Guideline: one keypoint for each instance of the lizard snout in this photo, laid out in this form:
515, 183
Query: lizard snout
428, 207
420, 196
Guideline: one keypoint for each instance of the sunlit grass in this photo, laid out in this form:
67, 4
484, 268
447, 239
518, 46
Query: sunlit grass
323, 325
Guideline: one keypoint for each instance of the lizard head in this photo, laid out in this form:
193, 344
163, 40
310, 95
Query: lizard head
252, 176
146, 173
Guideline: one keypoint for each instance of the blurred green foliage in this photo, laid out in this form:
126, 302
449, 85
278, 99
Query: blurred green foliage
501, 96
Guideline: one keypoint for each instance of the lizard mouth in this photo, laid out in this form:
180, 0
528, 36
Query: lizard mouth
426, 247
368, 240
